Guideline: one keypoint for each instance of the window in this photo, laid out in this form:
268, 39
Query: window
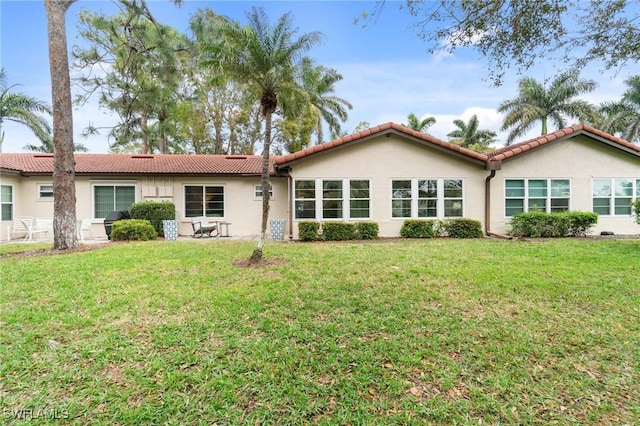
257, 191
6, 202
332, 199
200, 200
108, 198
541, 195
612, 197
359, 199
305, 199
401, 198
45, 192
427, 198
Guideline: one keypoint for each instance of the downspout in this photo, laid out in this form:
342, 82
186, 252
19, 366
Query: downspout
487, 201
290, 185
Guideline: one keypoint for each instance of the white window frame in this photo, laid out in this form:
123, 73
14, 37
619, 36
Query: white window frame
40, 192
112, 184
257, 192
319, 199
11, 203
612, 197
548, 198
205, 185
440, 198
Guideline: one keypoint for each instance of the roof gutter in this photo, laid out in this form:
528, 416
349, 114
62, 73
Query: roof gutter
493, 166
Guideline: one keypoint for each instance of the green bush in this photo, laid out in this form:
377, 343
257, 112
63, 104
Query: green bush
462, 228
308, 231
552, 225
636, 209
154, 212
338, 231
133, 230
413, 228
366, 230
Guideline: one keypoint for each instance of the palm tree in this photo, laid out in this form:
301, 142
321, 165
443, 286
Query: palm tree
47, 146
419, 125
537, 102
623, 117
22, 109
469, 136
267, 59
319, 82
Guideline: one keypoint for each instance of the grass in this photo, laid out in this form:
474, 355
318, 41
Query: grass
403, 332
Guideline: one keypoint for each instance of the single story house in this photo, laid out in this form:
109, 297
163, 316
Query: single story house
385, 174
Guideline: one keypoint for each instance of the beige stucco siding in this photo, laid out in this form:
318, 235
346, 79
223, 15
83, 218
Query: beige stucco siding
385, 159
580, 160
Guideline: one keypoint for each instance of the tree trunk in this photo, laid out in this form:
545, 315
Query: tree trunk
64, 188
544, 126
256, 256
144, 128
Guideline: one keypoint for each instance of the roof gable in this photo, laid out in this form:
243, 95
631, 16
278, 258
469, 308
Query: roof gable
381, 130
510, 151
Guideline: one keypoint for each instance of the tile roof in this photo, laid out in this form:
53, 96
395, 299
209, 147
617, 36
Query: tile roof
579, 129
139, 164
380, 130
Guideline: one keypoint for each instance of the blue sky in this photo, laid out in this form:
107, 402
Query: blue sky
387, 71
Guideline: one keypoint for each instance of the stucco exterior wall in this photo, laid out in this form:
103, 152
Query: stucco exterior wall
580, 160
242, 209
384, 159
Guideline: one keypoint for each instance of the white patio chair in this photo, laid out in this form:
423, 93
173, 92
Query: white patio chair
43, 226
21, 226
84, 225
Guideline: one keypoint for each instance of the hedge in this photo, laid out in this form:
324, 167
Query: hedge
309, 231
552, 225
338, 231
133, 230
416, 228
154, 212
461, 228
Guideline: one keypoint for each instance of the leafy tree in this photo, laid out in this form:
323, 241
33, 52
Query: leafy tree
419, 125
23, 109
535, 102
623, 117
266, 59
468, 135
520, 33
142, 79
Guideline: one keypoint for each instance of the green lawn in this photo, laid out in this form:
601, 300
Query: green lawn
400, 332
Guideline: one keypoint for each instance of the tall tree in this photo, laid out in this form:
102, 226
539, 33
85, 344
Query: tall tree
419, 125
142, 78
64, 188
468, 135
266, 58
520, 33
23, 109
537, 102
623, 117
319, 82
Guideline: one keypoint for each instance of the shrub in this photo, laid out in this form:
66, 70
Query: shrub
338, 231
367, 230
579, 223
308, 231
462, 228
413, 228
133, 230
552, 225
635, 205
154, 212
